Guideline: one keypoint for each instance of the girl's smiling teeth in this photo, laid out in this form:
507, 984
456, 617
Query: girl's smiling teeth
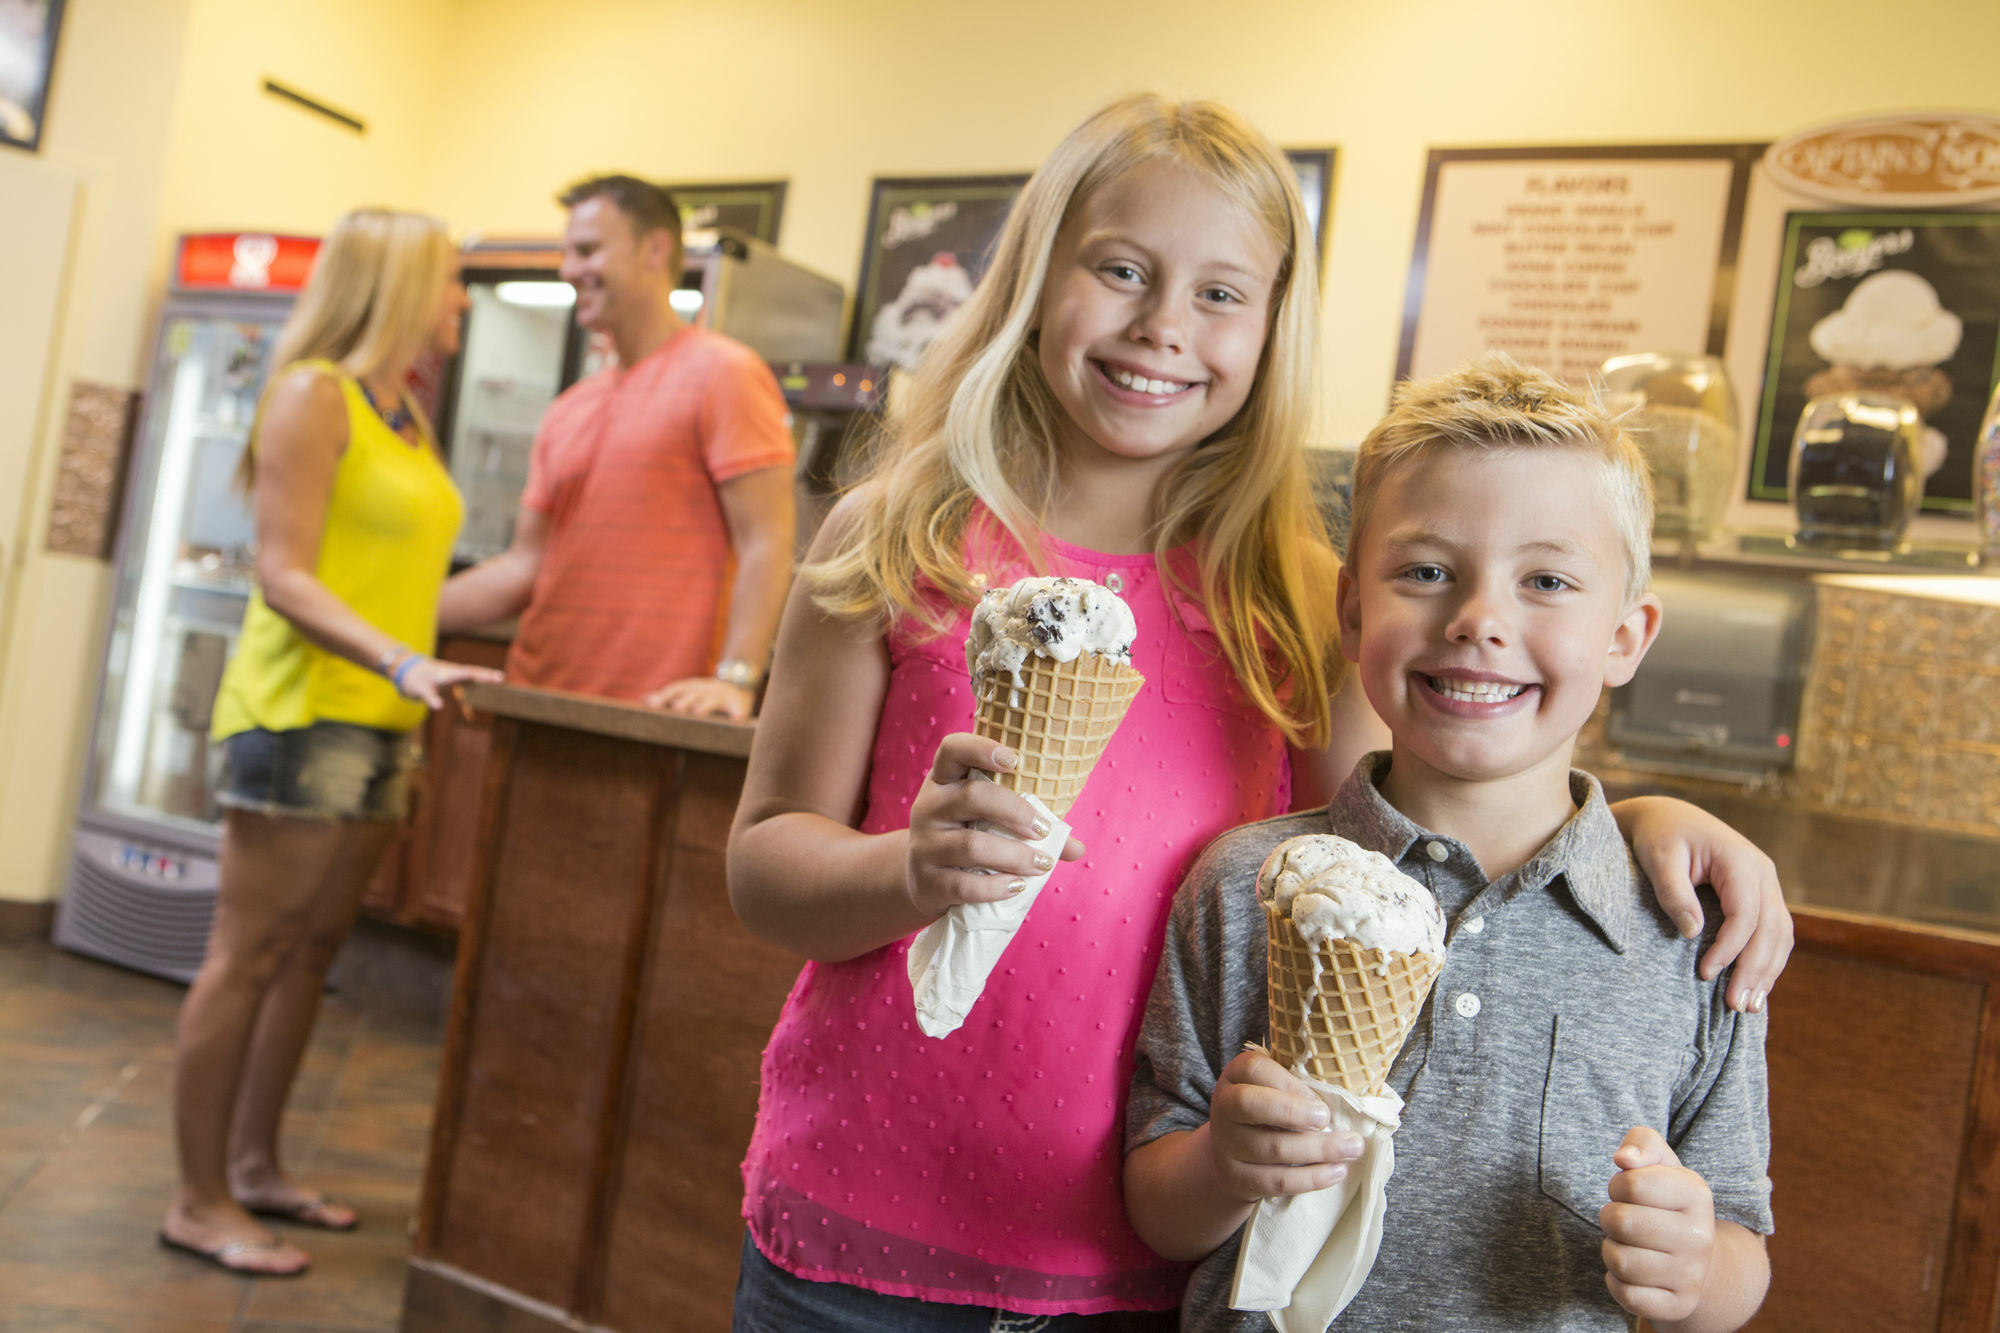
1473, 691
1125, 379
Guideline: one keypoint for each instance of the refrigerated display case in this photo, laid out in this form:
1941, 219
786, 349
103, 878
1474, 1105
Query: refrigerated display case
142, 871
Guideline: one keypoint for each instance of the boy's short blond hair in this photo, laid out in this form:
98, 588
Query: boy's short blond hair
1496, 402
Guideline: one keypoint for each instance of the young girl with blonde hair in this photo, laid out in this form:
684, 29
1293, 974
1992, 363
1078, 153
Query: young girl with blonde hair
355, 517
1125, 399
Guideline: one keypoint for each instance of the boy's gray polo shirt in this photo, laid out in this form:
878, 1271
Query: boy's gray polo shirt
1568, 1011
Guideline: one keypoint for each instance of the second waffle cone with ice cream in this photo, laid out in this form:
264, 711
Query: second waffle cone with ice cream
1354, 948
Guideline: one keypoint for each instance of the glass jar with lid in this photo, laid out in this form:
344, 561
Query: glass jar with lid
1680, 409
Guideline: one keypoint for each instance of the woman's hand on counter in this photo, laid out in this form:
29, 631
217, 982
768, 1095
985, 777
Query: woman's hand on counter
428, 680
1679, 846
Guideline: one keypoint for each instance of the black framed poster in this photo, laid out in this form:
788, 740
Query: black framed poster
756, 207
928, 241
27, 55
1315, 169
1893, 302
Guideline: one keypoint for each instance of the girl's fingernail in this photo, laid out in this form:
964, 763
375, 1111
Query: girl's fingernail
1015, 886
1688, 922
1043, 861
1757, 1003
1006, 758
1319, 1117
1041, 829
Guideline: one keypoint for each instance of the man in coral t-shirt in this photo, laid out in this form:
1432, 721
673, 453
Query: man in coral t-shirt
654, 541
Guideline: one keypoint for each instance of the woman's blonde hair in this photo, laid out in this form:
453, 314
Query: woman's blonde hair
977, 424
371, 299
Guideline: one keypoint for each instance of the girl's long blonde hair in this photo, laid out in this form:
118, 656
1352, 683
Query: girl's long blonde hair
370, 301
977, 424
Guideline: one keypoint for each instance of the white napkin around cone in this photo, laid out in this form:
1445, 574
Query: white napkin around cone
951, 958
1303, 1257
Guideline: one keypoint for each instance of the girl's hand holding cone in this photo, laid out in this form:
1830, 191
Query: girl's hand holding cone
947, 855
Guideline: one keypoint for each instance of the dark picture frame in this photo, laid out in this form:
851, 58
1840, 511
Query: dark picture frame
28, 32
1826, 257
755, 207
921, 229
1315, 167
1563, 163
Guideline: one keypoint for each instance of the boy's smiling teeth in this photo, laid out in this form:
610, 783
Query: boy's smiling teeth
1473, 691
1139, 383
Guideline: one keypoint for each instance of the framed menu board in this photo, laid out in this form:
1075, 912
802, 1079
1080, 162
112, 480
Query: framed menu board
1565, 257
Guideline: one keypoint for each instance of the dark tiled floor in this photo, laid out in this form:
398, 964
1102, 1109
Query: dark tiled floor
86, 1166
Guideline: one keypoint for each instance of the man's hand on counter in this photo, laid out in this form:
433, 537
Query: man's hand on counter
703, 696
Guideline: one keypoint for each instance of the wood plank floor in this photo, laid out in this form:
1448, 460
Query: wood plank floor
86, 1165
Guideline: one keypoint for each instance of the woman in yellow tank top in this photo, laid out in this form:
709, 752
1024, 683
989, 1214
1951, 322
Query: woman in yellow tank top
355, 516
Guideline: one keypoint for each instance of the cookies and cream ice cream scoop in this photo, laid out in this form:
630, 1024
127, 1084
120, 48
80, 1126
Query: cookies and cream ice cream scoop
1056, 618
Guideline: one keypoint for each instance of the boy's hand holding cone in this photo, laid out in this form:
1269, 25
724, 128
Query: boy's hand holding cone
1354, 947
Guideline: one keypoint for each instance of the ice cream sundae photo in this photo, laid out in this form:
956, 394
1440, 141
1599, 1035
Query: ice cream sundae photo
905, 326
1890, 337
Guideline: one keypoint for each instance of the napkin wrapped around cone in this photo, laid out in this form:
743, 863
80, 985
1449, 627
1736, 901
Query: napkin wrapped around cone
1354, 948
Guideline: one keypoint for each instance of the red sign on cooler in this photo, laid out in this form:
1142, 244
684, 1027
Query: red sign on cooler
245, 261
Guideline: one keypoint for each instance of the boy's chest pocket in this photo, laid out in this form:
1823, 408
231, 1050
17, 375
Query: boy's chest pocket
1593, 1096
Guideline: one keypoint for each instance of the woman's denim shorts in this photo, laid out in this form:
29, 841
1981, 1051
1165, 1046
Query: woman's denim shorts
329, 770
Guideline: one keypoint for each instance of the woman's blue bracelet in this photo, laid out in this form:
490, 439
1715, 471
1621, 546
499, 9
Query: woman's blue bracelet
402, 669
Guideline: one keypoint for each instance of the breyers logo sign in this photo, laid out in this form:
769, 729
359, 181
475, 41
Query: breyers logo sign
1919, 160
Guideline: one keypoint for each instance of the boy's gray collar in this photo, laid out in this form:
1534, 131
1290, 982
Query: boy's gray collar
1588, 854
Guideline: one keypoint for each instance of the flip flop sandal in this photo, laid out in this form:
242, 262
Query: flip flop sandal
222, 1254
306, 1213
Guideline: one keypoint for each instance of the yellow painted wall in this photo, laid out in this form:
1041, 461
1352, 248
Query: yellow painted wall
241, 159
480, 109
117, 71
157, 112
830, 94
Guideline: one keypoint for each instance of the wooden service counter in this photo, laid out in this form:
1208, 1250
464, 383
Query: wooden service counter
607, 1018
601, 1058
1884, 1057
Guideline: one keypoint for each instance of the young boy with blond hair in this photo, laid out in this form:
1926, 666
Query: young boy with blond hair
1584, 1136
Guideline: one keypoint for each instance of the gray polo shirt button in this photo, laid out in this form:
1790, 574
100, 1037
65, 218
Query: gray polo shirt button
1474, 926
1467, 1005
1437, 851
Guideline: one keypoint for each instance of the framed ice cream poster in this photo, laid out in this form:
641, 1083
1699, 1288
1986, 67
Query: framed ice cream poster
1899, 303
755, 207
928, 241
27, 54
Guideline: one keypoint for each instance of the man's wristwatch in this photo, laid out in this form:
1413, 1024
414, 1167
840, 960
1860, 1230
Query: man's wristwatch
735, 671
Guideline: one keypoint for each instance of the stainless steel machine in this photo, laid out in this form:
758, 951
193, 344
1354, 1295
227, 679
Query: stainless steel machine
1719, 693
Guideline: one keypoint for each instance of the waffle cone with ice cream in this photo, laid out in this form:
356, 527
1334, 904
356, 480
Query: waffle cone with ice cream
1354, 947
1051, 663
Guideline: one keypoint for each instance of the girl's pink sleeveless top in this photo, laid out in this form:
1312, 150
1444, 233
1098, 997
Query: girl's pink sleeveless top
983, 1168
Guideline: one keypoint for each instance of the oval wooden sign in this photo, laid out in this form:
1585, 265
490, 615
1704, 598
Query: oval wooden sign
1922, 159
